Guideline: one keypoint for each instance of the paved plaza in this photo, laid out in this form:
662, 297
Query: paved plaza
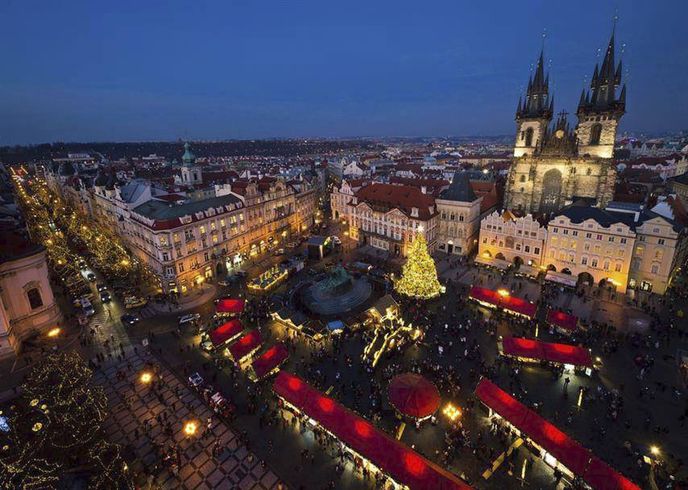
141, 413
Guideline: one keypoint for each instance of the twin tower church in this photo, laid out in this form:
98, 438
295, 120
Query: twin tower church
554, 163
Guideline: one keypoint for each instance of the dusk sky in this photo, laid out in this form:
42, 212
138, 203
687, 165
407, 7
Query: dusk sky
149, 70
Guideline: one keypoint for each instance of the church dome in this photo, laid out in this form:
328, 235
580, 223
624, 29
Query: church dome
188, 158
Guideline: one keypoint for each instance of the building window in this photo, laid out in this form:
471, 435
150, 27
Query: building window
660, 241
35, 299
529, 137
165, 256
595, 134
536, 251
593, 263
623, 240
617, 267
655, 268
584, 261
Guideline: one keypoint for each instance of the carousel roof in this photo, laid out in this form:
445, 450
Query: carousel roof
414, 395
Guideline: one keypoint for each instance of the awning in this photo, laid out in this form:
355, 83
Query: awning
335, 325
492, 262
567, 451
561, 278
226, 332
270, 359
414, 395
245, 345
545, 351
394, 458
562, 319
229, 305
503, 300
528, 270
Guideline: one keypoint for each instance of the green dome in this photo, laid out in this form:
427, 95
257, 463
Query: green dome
188, 157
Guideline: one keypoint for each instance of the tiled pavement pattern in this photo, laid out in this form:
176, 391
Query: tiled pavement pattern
235, 468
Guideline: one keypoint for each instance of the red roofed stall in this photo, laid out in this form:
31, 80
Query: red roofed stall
230, 306
384, 453
536, 350
245, 346
562, 321
504, 300
269, 361
226, 332
560, 450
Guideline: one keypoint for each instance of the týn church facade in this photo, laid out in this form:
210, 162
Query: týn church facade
555, 163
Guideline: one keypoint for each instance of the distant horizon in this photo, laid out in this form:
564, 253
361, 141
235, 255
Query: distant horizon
647, 134
141, 71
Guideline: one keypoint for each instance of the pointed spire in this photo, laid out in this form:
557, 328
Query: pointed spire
551, 105
581, 102
595, 76
617, 77
518, 109
622, 97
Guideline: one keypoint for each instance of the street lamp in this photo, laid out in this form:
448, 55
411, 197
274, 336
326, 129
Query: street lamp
654, 450
54, 332
146, 377
190, 428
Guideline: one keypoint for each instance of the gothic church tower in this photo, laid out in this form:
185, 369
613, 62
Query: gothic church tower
535, 114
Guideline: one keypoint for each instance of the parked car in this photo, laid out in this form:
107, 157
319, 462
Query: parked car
87, 307
101, 287
223, 283
105, 297
91, 277
189, 319
129, 320
134, 302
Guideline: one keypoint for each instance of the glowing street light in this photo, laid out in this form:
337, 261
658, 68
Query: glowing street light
451, 412
655, 451
54, 332
146, 377
503, 292
190, 428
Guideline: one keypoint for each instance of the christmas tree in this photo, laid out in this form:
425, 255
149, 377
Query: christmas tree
419, 275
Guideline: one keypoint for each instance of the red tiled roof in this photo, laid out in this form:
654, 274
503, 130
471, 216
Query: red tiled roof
402, 197
566, 450
394, 458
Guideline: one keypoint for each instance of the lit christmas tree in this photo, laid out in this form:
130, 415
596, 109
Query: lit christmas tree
419, 275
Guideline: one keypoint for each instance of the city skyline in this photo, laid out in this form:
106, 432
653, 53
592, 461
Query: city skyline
240, 72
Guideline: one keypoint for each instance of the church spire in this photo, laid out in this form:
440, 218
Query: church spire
606, 79
537, 102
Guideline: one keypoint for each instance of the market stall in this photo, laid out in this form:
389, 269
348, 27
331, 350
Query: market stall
556, 447
362, 442
529, 350
230, 306
502, 299
562, 321
268, 362
269, 279
242, 350
414, 396
227, 332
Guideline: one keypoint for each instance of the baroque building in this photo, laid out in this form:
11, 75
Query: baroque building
554, 163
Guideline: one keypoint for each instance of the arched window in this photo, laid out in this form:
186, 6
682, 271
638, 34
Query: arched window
529, 137
595, 134
35, 299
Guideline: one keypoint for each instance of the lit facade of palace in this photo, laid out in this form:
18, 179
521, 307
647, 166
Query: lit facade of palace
623, 245
186, 243
388, 216
515, 239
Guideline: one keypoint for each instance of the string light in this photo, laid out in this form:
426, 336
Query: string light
419, 274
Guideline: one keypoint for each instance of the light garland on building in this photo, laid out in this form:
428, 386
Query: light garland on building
419, 275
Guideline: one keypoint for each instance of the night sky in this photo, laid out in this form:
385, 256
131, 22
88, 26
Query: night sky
146, 70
